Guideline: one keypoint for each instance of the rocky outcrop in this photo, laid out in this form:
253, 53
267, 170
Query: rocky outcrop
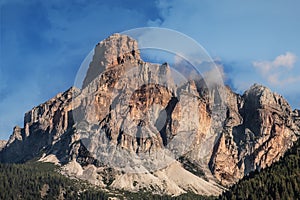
44, 128
114, 50
260, 126
132, 126
2, 144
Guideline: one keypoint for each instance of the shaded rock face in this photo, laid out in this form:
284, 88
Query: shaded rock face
132, 126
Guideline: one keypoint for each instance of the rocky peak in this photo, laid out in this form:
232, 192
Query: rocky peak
49, 114
259, 128
132, 125
43, 126
114, 50
16, 135
262, 97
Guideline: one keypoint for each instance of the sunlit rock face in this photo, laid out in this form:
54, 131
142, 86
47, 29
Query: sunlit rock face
2, 144
260, 126
132, 126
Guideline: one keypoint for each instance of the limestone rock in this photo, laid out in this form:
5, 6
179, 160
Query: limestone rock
260, 126
2, 144
110, 52
44, 128
131, 127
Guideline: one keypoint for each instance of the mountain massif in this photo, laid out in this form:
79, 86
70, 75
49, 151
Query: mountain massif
133, 127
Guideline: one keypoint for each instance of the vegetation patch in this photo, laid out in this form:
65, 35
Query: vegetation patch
280, 181
38, 180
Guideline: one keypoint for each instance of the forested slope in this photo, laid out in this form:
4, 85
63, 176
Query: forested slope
279, 181
36, 180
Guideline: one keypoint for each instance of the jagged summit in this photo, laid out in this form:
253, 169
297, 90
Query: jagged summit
258, 90
131, 127
114, 50
265, 97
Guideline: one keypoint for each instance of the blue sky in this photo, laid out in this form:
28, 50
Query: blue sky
42, 43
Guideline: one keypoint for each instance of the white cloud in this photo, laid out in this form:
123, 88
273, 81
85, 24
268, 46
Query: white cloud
279, 71
286, 60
